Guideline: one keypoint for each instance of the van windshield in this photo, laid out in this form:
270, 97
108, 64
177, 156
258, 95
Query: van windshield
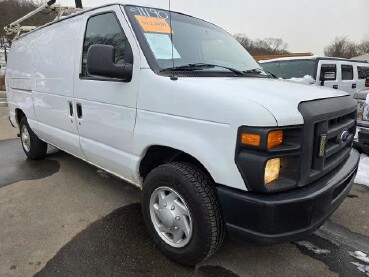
195, 45
291, 69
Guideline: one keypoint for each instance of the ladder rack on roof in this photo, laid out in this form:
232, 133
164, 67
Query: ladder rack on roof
16, 28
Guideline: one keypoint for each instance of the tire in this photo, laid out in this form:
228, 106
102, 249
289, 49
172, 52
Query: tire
33, 147
196, 191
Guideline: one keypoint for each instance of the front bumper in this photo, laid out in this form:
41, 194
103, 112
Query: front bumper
287, 216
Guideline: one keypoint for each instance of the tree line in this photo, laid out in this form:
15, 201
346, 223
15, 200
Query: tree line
345, 48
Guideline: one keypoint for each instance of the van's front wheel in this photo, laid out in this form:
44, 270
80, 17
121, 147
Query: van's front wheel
33, 147
182, 213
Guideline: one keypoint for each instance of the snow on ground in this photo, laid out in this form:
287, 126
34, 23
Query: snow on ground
363, 258
362, 176
308, 245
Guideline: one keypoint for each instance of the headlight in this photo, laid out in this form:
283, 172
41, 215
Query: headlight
272, 169
269, 158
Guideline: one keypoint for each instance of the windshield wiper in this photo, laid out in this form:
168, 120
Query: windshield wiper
201, 66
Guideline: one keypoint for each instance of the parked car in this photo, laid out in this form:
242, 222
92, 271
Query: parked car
362, 138
176, 106
348, 75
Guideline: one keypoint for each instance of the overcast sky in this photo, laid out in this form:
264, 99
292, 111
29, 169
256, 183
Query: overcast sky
306, 25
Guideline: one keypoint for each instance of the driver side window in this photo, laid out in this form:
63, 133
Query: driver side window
104, 29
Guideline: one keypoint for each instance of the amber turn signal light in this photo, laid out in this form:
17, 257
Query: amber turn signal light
275, 138
251, 139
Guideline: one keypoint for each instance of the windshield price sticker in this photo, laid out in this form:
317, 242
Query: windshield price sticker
153, 24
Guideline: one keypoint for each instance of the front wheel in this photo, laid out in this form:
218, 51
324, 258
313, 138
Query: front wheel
33, 147
182, 213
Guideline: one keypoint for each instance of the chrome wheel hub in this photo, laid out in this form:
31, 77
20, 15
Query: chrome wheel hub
171, 217
26, 141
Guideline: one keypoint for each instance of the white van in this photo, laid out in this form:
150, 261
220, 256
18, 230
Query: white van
213, 141
347, 75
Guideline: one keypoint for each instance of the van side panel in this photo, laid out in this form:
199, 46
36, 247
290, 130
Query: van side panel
53, 64
19, 83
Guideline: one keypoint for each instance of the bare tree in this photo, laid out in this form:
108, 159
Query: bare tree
267, 46
342, 47
11, 10
364, 46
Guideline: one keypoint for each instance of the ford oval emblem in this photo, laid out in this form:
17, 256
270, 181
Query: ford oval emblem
344, 136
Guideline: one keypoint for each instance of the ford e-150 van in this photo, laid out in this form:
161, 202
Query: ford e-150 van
176, 106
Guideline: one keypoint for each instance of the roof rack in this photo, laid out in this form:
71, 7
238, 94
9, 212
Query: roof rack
16, 28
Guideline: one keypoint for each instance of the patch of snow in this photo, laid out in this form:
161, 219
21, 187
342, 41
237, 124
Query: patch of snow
312, 247
362, 176
361, 256
362, 268
306, 80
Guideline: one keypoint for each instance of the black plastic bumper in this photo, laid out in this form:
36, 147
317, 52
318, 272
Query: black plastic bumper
286, 216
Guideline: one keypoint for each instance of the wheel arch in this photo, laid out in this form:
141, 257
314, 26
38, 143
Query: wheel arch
19, 114
156, 155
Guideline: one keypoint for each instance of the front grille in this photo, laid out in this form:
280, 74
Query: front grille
338, 133
329, 130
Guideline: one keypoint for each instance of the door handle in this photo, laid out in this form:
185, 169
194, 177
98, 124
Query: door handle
70, 108
79, 110
335, 86
353, 86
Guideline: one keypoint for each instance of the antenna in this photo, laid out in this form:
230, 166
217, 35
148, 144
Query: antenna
174, 78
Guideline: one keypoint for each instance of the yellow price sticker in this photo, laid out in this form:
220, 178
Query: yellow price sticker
153, 24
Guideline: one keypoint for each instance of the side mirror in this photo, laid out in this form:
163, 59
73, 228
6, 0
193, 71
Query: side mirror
100, 62
329, 76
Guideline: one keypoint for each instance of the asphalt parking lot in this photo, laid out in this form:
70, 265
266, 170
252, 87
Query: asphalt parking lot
63, 217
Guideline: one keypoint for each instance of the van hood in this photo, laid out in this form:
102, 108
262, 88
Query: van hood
279, 97
236, 101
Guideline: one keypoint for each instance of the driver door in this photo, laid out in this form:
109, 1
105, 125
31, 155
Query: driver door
106, 108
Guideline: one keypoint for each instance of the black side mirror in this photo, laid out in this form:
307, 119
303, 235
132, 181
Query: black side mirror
100, 62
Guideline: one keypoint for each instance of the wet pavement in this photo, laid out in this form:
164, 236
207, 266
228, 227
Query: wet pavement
63, 217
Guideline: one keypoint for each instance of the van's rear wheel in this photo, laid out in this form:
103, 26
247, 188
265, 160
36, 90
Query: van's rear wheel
182, 212
33, 147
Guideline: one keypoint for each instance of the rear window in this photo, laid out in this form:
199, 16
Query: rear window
291, 69
363, 72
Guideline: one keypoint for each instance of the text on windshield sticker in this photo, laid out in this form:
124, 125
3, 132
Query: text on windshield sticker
153, 24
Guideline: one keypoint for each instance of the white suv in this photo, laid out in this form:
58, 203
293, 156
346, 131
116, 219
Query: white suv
176, 106
347, 75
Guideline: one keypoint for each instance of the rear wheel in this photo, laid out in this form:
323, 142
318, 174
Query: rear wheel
33, 147
182, 213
